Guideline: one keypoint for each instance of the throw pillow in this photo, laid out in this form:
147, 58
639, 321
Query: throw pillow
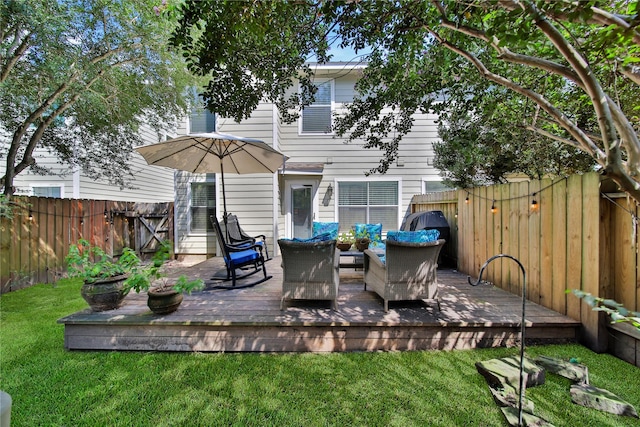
419, 236
374, 231
325, 227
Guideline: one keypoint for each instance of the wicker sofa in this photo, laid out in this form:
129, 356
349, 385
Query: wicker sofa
408, 273
310, 270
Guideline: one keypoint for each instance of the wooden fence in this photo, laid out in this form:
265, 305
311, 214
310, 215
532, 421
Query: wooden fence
572, 233
34, 243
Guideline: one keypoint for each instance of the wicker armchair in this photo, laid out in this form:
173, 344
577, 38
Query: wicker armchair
409, 272
310, 270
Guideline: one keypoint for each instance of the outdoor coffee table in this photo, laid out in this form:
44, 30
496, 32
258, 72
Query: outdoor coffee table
357, 258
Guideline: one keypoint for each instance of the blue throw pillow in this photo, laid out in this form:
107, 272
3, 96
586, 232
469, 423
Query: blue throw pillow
374, 231
419, 236
326, 227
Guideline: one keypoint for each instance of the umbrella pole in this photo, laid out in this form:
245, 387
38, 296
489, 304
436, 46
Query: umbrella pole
224, 202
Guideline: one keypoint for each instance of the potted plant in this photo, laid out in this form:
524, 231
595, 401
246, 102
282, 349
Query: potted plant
345, 240
164, 295
103, 277
362, 240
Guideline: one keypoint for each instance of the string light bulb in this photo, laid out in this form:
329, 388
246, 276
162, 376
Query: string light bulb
30, 215
534, 204
493, 207
466, 200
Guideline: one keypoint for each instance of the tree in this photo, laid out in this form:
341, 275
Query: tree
570, 64
79, 77
484, 140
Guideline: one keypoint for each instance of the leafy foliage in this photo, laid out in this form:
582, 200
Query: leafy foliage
251, 51
569, 69
151, 275
347, 236
615, 310
488, 144
79, 78
92, 263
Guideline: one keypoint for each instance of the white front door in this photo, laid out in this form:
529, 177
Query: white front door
301, 201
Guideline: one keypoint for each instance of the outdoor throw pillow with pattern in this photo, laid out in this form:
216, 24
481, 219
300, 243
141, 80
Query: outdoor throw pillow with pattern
373, 231
419, 236
325, 227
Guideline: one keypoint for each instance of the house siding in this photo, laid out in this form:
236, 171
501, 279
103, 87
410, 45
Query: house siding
150, 184
351, 161
252, 197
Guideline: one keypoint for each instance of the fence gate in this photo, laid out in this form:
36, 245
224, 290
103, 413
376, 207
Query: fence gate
153, 225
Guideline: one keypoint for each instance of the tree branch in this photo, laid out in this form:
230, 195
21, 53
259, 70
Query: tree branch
14, 57
585, 143
592, 87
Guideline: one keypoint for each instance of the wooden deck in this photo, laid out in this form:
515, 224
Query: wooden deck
250, 320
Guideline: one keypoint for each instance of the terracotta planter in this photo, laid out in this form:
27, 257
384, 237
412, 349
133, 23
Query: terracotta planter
164, 302
105, 294
362, 244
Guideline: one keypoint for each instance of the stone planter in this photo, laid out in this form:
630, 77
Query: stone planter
164, 302
344, 246
362, 244
104, 294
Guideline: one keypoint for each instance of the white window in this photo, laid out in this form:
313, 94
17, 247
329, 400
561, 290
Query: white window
202, 121
368, 202
434, 185
316, 118
41, 190
203, 204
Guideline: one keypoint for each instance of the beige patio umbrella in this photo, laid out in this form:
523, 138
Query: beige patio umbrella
214, 153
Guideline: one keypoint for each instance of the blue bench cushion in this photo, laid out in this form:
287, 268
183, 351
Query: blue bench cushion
238, 258
325, 227
419, 236
374, 231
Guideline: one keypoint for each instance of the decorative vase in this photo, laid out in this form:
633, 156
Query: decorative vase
164, 302
362, 244
104, 294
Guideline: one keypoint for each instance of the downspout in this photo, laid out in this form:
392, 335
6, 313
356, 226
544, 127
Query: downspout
75, 177
76, 183
274, 186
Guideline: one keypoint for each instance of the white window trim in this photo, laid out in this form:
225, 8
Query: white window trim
333, 108
425, 179
48, 185
397, 179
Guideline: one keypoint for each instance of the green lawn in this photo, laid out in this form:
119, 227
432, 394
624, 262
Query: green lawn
53, 387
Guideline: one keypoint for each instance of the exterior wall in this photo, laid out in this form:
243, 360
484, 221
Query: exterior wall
258, 199
150, 184
351, 161
249, 197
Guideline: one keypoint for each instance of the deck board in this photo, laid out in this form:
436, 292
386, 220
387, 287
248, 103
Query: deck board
250, 319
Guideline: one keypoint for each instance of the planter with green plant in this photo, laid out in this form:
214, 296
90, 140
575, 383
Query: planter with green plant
362, 240
346, 239
103, 276
164, 295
